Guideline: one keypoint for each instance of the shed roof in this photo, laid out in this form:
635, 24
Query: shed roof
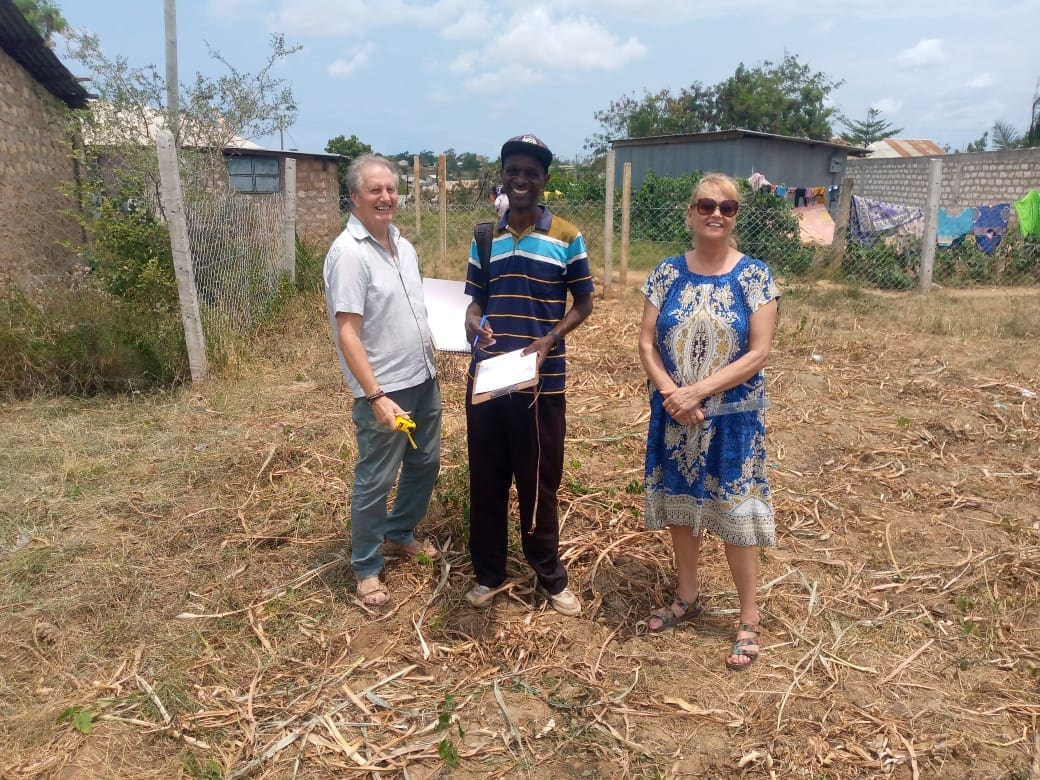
730, 135
26, 47
905, 147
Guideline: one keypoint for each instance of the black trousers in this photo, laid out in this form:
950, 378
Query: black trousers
510, 438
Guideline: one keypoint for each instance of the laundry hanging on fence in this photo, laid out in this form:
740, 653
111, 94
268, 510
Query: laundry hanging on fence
869, 218
952, 228
1029, 213
758, 182
990, 225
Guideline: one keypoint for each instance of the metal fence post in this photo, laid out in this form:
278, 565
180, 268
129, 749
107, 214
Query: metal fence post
608, 225
173, 204
931, 225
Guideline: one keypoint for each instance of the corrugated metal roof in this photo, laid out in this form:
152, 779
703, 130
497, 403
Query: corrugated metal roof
26, 47
905, 147
729, 135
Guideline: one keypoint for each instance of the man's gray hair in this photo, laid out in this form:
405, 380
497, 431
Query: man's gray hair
354, 171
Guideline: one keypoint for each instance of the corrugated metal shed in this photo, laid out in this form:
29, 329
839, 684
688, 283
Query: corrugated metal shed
796, 162
905, 147
26, 47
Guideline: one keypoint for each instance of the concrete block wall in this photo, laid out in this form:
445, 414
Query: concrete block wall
975, 179
318, 219
35, 165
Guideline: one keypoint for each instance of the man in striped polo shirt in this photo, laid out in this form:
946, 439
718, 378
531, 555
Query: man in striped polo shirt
536, 259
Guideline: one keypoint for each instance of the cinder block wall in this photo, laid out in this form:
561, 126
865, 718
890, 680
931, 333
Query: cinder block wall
317, 202
976, 179
34, 166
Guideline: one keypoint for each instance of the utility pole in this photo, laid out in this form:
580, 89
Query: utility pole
172, 91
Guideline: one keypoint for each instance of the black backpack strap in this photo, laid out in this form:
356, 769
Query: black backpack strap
483, 233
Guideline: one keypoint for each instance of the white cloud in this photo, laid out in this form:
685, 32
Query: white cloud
564, 44
887, 105
824, 26
355, 60
926, 53
981, 81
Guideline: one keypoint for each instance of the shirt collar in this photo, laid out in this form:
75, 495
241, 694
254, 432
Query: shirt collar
357, 229
543, 222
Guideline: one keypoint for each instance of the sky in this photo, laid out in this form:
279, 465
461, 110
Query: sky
468, 74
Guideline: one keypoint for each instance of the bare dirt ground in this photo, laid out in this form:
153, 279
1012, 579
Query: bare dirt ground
175, 599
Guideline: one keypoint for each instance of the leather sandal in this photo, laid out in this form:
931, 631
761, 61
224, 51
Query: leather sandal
667, 617
740, 646
425, 546
373, 592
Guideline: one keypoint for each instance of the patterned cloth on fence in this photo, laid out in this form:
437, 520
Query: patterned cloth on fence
991, 225
868, 218
815, 224
951, 228
781, 190
1029, 213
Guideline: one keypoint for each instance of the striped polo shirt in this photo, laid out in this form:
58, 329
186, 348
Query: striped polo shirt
531, 273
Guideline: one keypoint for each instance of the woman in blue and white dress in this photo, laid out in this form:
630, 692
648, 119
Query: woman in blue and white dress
708, 323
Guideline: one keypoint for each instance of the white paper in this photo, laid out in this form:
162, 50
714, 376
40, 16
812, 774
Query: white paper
504, 371
446, 303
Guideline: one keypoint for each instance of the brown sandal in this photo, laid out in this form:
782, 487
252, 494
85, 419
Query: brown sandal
740, 646
425, 546
373, 592
668, 618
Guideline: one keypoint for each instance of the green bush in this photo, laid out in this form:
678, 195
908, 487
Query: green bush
767, 229
310, 263
881, 265
86, 341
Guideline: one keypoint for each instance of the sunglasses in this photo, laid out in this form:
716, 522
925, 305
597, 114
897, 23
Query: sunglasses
727, 208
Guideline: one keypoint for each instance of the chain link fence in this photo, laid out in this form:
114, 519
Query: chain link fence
816, 241
238, 252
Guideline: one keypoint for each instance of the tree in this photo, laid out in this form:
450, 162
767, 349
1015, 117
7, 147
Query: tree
44, 15
980, 144
866, 131
785, 98
1005, 136
351, 148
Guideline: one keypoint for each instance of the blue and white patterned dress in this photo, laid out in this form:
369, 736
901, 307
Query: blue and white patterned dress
713, 475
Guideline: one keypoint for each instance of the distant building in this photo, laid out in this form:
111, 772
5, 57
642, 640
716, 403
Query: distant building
904, 147
36, 91
796, 162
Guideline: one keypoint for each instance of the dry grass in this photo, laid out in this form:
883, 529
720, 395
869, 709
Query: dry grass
173, 575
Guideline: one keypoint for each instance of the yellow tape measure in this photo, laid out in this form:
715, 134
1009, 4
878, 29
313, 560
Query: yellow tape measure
406, 425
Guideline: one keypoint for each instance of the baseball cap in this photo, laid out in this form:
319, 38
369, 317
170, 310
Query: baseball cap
528, 143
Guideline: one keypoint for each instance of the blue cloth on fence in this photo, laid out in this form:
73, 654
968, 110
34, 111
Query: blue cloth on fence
869, 218
781, 190
952, 228
991, 225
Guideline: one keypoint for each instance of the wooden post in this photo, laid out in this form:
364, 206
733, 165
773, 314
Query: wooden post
442, 184
608, 226
841, 223
173, 204
931, 225
290, 218
417, 196
626, 224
